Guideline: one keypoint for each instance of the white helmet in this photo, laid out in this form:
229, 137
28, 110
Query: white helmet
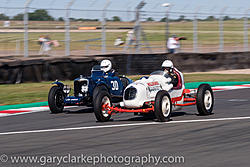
167, 64
106, 65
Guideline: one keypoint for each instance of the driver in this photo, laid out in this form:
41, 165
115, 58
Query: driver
106, 66
168, 69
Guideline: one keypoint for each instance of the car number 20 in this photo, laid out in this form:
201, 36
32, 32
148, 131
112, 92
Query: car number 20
115, 85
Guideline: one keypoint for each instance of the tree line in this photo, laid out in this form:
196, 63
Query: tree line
43, 15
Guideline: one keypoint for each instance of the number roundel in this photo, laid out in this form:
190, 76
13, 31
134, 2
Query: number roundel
115, 85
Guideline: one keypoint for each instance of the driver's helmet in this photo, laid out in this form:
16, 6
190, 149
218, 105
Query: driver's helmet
106, 65
167, 65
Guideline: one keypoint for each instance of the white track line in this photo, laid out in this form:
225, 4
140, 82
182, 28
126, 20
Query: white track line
123, 125
30, 110
21, 113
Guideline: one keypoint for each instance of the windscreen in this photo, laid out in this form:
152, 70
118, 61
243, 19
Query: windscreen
157, 73
96, 68
96, 71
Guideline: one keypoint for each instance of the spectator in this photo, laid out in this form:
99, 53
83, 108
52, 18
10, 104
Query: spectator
46, 43
119, 41
173, 44
130, 40
130, 37
41, 39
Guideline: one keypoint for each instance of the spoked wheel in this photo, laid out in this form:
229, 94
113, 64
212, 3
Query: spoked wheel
204, 99
163, 106
56, 99
100, 106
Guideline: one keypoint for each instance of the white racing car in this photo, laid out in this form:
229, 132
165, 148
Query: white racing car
155, 94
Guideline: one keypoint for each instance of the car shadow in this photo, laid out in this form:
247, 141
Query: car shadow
178, 113
151, 117
204, 115
78, 110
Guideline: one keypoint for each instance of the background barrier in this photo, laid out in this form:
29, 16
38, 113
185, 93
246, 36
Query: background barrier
36, 69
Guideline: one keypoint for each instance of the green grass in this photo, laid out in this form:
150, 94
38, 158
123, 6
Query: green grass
208, 34
25, 92
35, 92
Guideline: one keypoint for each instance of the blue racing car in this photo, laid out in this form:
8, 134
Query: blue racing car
102, 78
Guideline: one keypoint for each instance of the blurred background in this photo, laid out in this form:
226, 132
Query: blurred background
75, 27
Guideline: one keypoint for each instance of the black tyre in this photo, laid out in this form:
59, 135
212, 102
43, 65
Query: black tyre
101, 114
204, 99
98, 89
163, 106
56, 99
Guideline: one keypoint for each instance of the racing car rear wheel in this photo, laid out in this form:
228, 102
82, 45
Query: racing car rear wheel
56, 99
101, 112
204, 99
163, 106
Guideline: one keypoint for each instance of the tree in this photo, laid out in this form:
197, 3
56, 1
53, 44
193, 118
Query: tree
91, 20
163, 19
72, 19
18, 17
227, 18
60, 19
40, 15
4, 17
150, 19
37, 15
181, 18
210, 18
116, 18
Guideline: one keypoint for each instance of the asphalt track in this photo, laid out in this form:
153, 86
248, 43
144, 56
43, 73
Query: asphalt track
218, 142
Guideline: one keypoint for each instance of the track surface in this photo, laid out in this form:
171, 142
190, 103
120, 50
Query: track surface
212, 143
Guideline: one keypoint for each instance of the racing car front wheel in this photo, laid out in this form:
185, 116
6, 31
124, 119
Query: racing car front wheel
100, 106
163, 106
204, 99
98, 89
56, 99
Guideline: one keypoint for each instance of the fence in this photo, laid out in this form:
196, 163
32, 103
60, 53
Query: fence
205, 31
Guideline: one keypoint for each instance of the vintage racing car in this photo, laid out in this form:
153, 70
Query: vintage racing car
155, 94
86, 88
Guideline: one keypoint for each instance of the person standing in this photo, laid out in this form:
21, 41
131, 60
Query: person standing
130, 40
173, 44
